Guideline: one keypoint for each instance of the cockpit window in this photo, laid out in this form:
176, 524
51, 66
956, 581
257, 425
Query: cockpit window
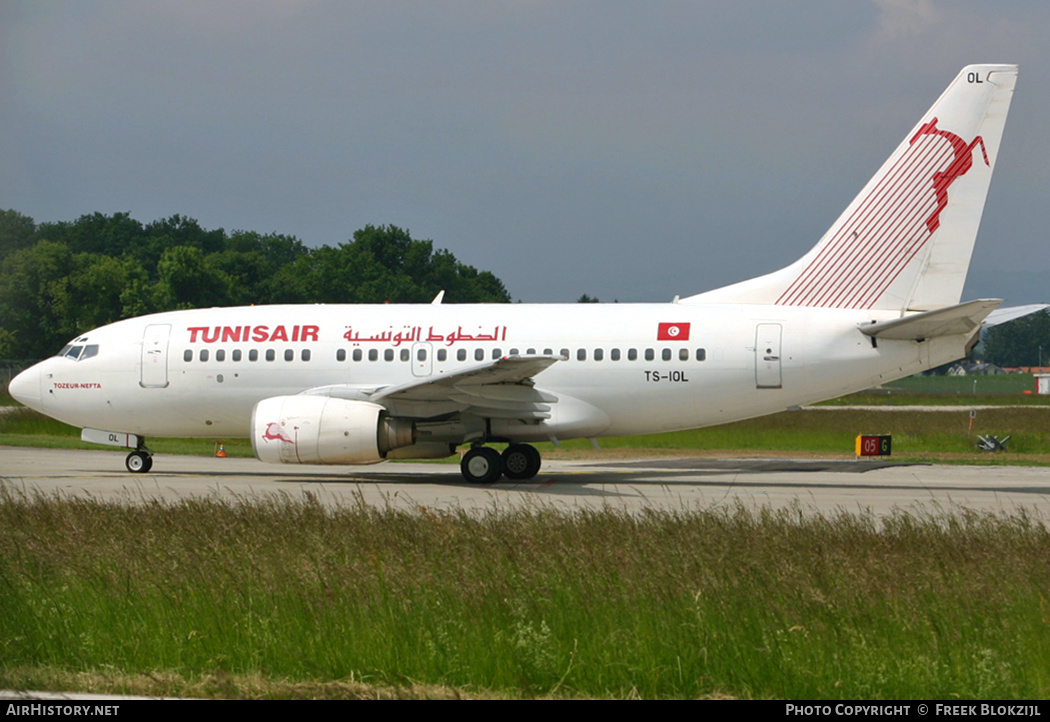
79, 352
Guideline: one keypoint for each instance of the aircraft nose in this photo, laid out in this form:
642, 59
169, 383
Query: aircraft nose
25, 388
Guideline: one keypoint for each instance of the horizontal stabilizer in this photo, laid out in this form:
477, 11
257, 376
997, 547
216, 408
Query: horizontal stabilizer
951, 321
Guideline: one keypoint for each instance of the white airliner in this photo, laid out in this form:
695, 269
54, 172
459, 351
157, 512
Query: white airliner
878, 298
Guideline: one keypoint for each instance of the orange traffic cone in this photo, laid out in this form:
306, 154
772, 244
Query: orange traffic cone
221, 453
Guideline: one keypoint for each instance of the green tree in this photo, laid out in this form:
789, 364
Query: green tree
187, 280
34, 298
103, 289
96, 233
384, 264
252, 261
16, 232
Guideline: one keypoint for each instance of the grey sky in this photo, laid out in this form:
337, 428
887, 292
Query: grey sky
627, 150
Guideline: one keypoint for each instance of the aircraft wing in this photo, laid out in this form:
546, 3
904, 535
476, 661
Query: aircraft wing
496, 389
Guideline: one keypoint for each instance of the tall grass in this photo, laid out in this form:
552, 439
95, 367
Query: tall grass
525, 602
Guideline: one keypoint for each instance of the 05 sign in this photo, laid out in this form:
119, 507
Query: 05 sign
873, 445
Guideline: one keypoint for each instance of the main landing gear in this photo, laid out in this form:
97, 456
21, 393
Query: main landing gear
484, 465
139, 462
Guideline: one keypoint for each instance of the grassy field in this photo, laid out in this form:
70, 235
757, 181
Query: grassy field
290, 599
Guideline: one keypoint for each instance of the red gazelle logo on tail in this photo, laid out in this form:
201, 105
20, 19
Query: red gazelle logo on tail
963, 162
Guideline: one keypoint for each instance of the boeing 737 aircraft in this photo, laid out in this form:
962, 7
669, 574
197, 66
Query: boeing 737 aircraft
878, 298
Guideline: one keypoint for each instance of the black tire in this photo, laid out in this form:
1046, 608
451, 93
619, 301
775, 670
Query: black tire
138, 462
521, 461
481, 465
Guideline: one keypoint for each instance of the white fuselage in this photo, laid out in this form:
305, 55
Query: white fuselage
626, 370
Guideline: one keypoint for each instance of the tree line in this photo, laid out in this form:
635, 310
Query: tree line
63, 278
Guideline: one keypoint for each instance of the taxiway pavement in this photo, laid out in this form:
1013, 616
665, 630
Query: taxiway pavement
675, 484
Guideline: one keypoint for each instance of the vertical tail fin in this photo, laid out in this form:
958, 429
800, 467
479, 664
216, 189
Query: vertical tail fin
905, 241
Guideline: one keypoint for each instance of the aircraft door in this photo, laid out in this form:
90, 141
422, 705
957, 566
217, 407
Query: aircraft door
155, 356
422, 359
767, 356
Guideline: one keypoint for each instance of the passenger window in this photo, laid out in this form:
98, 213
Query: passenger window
253, 354
581, 354
305, 354
204, 354
442, 354
479, 354
599, 354
683, 354
565, 354
421, 354
236, 354
388, 355
632, 354
340, 355
548, 352
649, 354
461, 354
270, 354
289, 355
220, 355
357, 354
701, 354
187, 355
530, 352
373, 354
405, 354
496, 353
666, 354
513, 352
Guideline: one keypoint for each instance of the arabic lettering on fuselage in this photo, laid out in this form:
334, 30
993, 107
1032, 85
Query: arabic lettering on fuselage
414, 334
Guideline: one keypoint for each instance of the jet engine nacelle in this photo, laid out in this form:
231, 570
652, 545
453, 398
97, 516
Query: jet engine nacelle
324, 430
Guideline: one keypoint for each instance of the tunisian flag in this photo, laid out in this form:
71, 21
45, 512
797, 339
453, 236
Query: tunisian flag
672, 332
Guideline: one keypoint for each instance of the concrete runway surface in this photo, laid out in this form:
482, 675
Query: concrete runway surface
675, 484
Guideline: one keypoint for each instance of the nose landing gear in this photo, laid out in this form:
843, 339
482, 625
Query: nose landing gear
139, 462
